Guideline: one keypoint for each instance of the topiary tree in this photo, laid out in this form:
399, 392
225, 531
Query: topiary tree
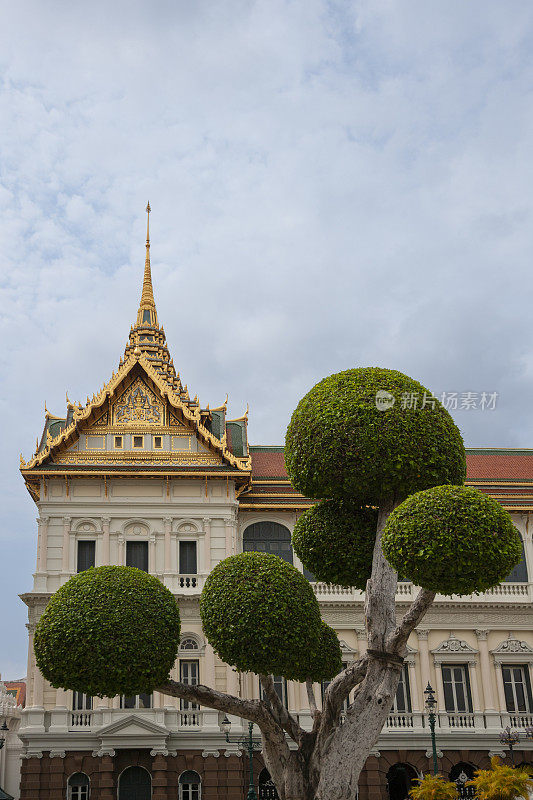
429, 538
358, 443
332, 527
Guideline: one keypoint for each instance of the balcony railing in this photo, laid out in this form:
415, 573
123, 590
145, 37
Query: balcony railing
406, 591
80, 719
190, 719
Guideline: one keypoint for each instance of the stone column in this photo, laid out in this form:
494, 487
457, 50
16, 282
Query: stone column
423, 649
230, 532
486, 672
499, 684
105, 540
362, 643
38, 687
152, 555
169, 567
440, 686
106, 783
57, 777
42, 558
65, 566
159, 775
121, 555
473, 672
413, 683
207, 545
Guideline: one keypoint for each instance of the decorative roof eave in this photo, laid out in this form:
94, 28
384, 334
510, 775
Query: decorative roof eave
192, 415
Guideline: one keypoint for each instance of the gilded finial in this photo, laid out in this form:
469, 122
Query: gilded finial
147, 314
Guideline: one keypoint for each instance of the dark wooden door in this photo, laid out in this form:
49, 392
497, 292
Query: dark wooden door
135, 783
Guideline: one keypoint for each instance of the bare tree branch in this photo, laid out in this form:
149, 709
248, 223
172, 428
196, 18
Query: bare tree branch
339, 688
311, 697
410, 620
252, 710
279, 712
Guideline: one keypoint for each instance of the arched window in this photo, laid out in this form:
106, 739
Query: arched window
135, 783
519, 573
188, 643
78, 786
190, 785
268, 537
400, 780
461, 773
267, 790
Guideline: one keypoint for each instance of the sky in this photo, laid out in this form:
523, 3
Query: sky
333, 184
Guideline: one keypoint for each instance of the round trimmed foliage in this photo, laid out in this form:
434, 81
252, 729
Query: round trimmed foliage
452, 540
109, 631
335, 540
359, 435
326, 662
261, 615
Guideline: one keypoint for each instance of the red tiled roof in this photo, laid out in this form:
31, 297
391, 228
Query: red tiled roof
268, 462
492, 465
509, 466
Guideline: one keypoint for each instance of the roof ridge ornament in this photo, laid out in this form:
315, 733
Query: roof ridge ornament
147, 314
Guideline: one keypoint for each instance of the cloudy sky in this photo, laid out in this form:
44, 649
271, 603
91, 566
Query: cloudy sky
332, 184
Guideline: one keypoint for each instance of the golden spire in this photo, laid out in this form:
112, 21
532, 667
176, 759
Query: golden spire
147, 314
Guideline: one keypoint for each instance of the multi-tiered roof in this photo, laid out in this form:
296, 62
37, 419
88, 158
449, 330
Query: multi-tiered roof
144, 396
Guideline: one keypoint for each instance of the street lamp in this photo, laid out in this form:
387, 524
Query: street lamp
3, 733
510, 738
251, 744
431, 704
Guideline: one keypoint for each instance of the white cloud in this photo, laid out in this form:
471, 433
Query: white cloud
332, 184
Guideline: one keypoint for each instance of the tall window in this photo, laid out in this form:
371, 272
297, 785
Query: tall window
517, 688
519, 573
190, 785
137, 555
280, 686
188, 564
456, 688
268, 537
86, 555
81, 701
142, 700
402, 701
190, 675
78, 786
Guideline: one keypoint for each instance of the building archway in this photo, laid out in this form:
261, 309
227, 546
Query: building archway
267, 790
400, 780
135, 783
461, 773
268, 537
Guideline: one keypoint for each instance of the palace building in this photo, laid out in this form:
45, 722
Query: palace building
142, 474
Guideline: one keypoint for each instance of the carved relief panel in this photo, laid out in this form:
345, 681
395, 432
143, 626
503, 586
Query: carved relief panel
138, 403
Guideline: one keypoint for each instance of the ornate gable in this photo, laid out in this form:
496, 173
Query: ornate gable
142, 417
138, 404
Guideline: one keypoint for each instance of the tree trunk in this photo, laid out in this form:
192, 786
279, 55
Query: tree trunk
344, 754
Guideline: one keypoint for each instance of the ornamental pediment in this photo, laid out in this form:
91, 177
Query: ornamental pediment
452, 647
132, 725
513, 646
138, 404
